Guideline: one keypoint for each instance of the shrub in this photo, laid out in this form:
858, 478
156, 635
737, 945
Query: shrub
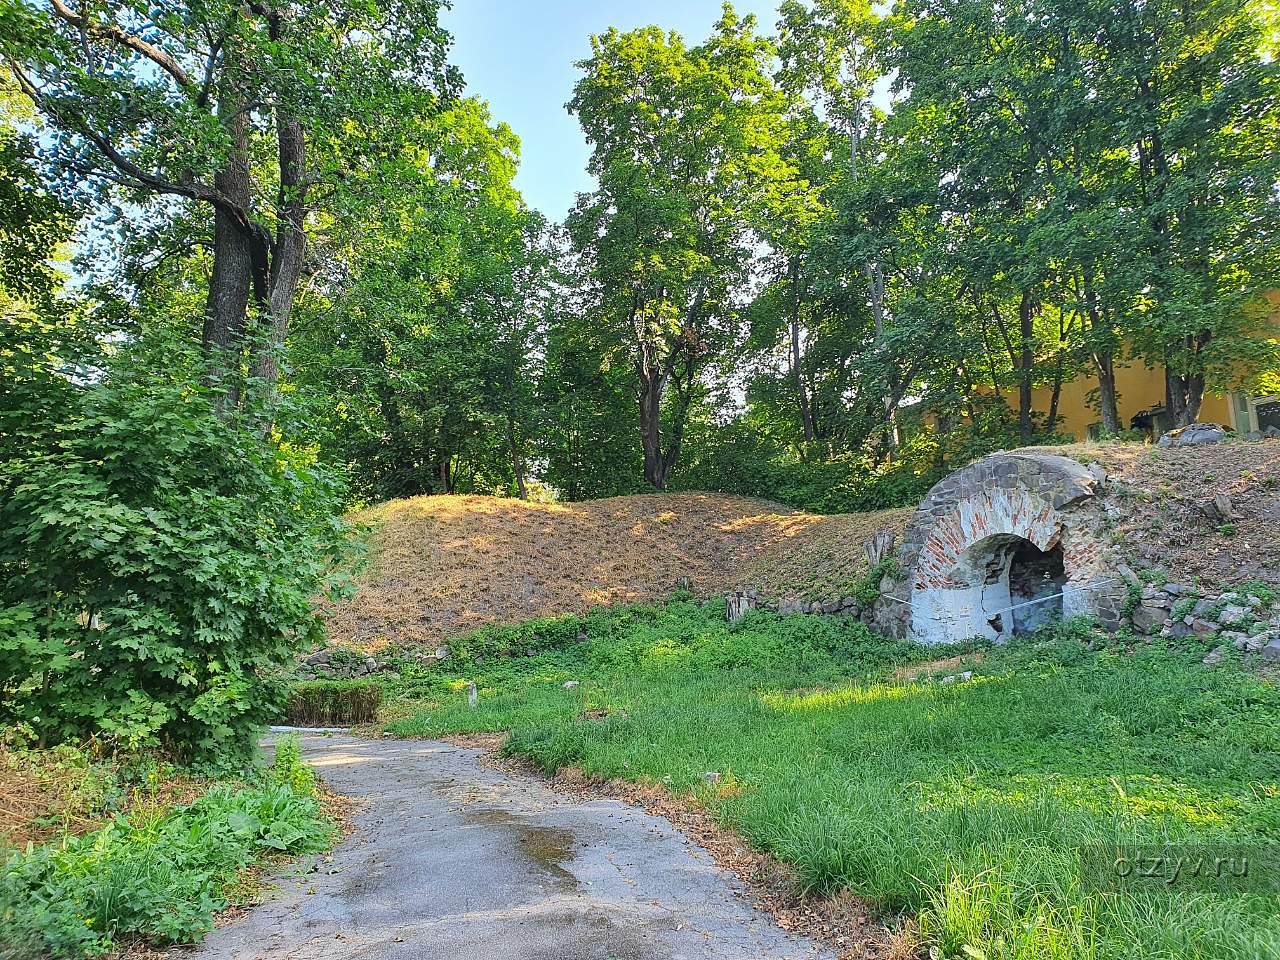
333, 702
289, 770
159, 877
156, 561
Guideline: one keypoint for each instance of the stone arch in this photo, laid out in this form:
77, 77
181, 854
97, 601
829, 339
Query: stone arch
996, 546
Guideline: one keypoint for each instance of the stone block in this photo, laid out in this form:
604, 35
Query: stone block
1148, 619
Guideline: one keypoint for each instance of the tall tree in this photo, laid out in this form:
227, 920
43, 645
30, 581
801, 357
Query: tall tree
684, 143
256, 111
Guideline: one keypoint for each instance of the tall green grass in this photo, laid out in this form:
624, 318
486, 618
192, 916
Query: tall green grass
972, 805
328, 702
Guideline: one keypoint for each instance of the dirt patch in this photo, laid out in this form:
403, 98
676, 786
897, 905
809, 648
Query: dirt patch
441, 566
842, 922
917, 670
1159, 503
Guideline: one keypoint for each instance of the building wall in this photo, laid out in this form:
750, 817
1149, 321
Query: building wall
1140, 388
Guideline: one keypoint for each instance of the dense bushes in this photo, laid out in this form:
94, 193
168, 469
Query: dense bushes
154, 874
329, 702
738, 457
156, 561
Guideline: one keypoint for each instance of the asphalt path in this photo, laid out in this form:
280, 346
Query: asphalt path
453, 860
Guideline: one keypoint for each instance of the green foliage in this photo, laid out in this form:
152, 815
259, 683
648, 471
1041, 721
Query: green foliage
685, 151
287, 768
739, 458
156, 561
333, 702
420, 366
969, 803
159, 876
867, 589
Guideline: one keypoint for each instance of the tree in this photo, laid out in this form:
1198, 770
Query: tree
425, 336
684, 143
258, 112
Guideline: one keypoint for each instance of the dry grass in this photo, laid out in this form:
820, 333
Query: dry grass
1157, 495
442, 566
44, 794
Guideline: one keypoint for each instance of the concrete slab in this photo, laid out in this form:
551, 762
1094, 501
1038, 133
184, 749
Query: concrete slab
452, 860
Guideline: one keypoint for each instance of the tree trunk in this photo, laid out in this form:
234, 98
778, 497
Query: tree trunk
1026, 365
1107, 399
1052, 422
517, 462
1184, 394
797, 374
227, 301
288, 251
651, 428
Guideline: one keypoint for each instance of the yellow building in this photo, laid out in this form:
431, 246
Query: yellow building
1142, 389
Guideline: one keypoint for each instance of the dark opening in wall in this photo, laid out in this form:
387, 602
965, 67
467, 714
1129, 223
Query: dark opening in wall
1035, 574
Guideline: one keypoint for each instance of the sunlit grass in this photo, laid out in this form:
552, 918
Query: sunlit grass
966, 804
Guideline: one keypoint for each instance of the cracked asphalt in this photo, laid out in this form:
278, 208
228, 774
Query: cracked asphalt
450, 859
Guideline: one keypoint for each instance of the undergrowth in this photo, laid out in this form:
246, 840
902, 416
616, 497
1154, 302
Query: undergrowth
974, 806
155, 873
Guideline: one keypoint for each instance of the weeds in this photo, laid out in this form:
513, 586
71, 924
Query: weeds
155, 874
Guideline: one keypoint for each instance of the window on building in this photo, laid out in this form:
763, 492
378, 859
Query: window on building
1255, 413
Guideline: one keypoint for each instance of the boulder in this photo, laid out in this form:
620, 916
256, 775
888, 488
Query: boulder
1234, 615
1193, 435
1147, 619
571, 684
1271, 652
1215, 656
1202, 628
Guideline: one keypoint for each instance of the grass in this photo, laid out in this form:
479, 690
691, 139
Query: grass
157, 874
975, 806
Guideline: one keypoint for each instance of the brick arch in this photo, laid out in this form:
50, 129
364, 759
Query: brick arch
1045, 500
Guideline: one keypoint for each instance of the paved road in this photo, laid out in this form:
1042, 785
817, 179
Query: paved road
450, 859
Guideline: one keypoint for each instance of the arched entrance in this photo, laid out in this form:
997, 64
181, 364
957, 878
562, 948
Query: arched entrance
1001, 547
1006, 585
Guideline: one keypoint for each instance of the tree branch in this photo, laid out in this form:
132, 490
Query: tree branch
191, 189
125, 39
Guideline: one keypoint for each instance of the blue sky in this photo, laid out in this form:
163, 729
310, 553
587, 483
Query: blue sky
519, 55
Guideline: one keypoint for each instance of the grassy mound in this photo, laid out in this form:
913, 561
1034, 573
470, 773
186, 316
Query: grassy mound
445, 565
983, 806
